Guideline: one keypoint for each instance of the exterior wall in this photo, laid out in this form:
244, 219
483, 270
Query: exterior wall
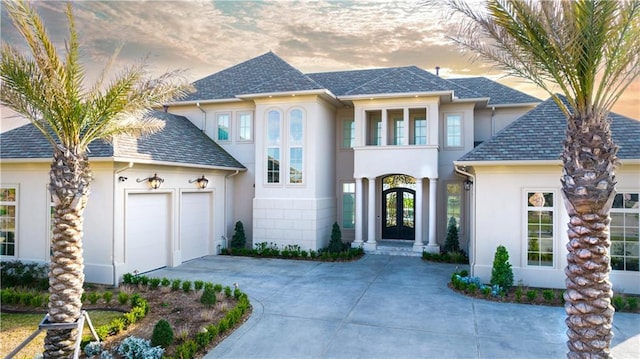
311, 204
104, 240
492, 120
500, 219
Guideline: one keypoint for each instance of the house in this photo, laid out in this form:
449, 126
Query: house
383, 152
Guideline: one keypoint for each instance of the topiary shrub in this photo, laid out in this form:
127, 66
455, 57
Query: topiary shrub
239, 239
162, 334
501, 274
335, 244
452, 245
208, 297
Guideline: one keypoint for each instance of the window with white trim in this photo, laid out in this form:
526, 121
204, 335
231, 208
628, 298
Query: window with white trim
245, 126
274, 121
8, 206
348, 133
296, 140
398, 131
419, 131
453, 130
624, 232
223, 125
348, 205
540, 228
454, 200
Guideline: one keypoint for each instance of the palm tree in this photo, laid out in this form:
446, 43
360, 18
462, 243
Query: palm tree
588, 51
48, 90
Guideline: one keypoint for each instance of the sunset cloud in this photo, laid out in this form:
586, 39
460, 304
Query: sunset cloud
204, 37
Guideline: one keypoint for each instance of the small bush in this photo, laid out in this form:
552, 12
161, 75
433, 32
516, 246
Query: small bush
186, 286
227, 291
165, 282
154, 283
618, 302
198, 285
217, 288
632, 303
486, 291
208, 297
518, 294
162, 334
138, 348
548, 295
451, 244
239, 239
175, 284
93, 297
123, 298
107, 296
532, 294
335, 244
32, 275
501, 273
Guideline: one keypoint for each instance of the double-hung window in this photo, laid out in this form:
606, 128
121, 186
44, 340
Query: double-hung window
274, 124
540, 208
348, 205
624, 231
245, 126
453, 130
296, 141
398, 131
348, 133
8, 205
420, 131
223, 124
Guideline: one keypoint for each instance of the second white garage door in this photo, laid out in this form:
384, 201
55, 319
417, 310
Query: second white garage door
147, 231
195, 224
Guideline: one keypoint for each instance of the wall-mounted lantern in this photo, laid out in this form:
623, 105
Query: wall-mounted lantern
201, 182
154, 182
468, 184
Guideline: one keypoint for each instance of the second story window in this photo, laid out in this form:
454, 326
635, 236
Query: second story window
348, 133
274, 120
453, 130
398, 131
296, 141
223, 121
245, 126
419, 131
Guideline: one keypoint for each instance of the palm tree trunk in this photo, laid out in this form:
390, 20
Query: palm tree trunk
69, 187
588, 182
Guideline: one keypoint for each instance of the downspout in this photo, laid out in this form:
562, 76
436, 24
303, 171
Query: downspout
472, 216
204, 120
113, 219
226, 201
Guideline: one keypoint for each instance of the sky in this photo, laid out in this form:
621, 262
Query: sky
204, 37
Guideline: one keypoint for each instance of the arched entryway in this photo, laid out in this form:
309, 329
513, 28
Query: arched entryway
398, 207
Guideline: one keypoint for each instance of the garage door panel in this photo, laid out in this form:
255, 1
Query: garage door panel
147, 231
195, 225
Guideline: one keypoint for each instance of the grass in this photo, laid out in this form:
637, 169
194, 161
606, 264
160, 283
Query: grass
14, 328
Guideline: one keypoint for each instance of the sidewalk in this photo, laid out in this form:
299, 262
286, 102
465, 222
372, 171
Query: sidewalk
381, 307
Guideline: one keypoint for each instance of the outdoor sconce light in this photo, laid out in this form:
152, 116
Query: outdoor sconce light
122, 178
154, 182
202, 182
468, 184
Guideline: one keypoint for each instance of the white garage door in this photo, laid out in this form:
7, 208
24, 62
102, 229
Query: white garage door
195, 224
148, 231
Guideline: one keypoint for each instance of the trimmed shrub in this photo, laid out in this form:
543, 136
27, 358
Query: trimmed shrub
451, 244
198, 284
239, 239
162, 334
335, 244
208, 297
186, 286
501, 273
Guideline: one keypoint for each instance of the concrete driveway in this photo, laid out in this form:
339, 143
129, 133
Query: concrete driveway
381, 307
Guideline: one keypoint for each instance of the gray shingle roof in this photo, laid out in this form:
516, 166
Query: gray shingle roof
498, 93
539, 134
263, 74
179, 142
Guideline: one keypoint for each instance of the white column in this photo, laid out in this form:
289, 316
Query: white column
432, 247
359, 214
407, 122
385, 127
371, 223
418, 245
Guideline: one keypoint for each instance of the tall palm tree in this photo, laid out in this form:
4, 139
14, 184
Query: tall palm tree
48, 90
587, 50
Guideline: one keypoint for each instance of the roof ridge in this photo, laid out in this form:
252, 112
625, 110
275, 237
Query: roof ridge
284, 74
391, 70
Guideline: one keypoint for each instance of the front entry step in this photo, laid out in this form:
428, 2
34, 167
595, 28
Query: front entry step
395, 248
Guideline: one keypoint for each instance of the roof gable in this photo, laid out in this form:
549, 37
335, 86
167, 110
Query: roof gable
178, 142
497, 93
539, 134
262, 74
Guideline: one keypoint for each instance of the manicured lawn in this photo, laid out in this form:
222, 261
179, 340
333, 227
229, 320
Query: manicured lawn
15, 328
